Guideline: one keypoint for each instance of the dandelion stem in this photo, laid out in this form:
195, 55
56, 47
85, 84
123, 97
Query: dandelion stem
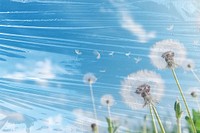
158, 119
197, 103
93, 103
153, 120
145, 125
178, 125
195, 75
184, 100
109, 113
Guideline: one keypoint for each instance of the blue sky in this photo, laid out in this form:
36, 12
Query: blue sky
42, 76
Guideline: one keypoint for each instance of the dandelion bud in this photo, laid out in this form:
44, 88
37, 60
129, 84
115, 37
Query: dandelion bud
177, 109
94, 127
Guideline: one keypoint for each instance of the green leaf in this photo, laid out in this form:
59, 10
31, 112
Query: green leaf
111, 126
196, 119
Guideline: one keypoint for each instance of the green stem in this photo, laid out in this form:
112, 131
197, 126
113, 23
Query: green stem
158, 119
145, 125
197, 103
109, 116
184, 100
94, 107
178, 125
153, 120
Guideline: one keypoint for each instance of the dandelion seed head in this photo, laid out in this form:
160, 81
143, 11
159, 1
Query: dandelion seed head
94, 127
140, 86
107, 100
167, 53
89, 78
188, 65
194, 92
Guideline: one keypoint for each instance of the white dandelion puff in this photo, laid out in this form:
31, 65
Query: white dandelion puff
147, 81
143, 88
189, 65
167, 53
89, 78
194, 92
108, 101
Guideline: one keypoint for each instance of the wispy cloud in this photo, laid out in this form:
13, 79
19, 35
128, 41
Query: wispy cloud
135, 28
185, 8
84, 119
52, 121
40, 1
128, 23
25, 1
39, 71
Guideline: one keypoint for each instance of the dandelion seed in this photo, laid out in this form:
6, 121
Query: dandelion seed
137, 59
170, 27
128, 54
167, 54
78, 52
107, 101
98, 55
102, 71
111, 53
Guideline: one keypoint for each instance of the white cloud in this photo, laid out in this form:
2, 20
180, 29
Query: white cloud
185, 8
40, 1
40, 72
53, 121
16, 76
135, 28
24, 1
84, 119
129, 24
